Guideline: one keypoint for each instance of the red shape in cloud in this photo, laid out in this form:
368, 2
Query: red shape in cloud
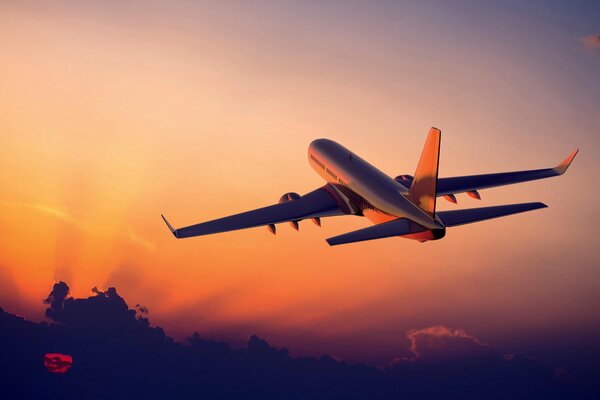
57, 363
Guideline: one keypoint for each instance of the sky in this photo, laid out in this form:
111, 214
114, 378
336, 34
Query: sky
115, 112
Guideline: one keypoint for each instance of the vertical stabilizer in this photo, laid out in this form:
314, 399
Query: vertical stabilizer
423, 189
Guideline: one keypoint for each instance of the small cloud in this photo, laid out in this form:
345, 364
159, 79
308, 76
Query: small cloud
591, 42
440, 341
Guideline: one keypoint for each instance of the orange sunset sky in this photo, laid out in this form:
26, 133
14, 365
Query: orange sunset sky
113, 113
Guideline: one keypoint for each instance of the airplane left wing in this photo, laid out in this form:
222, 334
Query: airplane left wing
459, 184
316, 204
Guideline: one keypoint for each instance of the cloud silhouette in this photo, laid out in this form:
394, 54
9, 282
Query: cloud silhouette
117, 354
466, 367
591, 42
56, 300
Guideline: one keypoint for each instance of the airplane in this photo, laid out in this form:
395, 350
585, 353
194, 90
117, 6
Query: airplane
404, 206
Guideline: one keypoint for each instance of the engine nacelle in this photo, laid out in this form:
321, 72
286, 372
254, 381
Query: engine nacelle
289, 197
404, 180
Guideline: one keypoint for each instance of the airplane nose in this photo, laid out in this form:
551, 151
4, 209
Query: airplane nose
328, 146
318, 143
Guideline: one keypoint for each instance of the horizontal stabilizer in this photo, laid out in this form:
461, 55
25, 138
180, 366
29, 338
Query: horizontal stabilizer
468, 216
397, 227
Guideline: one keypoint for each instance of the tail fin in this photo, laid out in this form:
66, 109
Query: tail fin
423, 189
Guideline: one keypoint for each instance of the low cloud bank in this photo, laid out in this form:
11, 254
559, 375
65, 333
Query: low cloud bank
117, 354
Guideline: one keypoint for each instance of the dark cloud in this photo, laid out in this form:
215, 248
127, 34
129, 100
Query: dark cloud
591, 42
142, 309
56, 300
462, 364
117, 354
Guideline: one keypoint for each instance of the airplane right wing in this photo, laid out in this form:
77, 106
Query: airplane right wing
459, 184
318, 203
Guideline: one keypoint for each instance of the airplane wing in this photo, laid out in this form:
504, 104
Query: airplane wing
318, 203
459, 184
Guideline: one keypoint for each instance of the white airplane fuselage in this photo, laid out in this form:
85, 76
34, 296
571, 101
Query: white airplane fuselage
370, 192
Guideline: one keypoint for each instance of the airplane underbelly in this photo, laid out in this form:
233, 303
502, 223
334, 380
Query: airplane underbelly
377, 217
430, 234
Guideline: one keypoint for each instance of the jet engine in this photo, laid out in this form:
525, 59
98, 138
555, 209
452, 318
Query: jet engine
404, 180
291, 196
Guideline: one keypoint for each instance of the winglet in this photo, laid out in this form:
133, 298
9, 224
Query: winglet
562, 167
173, 230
